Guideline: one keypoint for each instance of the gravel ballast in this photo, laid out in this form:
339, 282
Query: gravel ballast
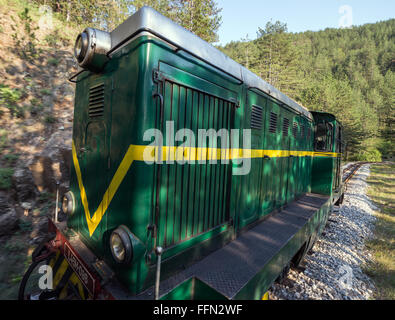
334, 268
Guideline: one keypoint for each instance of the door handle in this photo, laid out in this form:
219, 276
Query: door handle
158, 95
267, 158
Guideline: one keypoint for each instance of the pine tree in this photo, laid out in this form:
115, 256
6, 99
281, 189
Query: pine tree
201, 17
348, 72
278, 57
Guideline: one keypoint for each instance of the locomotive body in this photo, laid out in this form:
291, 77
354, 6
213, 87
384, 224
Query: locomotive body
223, 234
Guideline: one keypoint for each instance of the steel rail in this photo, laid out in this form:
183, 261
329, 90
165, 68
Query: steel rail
349, 172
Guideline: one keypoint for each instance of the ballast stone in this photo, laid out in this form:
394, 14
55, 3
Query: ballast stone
340, 250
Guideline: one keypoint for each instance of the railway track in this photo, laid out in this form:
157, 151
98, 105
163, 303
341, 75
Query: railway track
342, 240
349, 172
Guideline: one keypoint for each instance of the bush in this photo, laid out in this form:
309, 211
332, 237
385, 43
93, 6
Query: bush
3, 139
56, 40
14, 246
53, 62
25, 226
9, 97
45, 92
49, 119
11, 159
51, 40
6, 178
369, 155
387, 149
26, 42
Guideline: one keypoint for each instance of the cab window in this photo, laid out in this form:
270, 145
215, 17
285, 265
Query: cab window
323, 137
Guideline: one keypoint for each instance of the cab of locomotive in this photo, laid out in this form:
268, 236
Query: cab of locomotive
328, 148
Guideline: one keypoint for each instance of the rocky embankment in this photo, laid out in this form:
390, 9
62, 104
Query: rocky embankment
36, 114
333, 269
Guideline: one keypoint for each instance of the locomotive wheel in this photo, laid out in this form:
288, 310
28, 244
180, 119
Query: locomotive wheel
284, 273
301, 254
340, 201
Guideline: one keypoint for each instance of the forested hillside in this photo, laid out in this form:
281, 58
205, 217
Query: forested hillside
199, 16
36, 107
347, 72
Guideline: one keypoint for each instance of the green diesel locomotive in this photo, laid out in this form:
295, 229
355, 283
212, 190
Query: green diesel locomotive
191, 177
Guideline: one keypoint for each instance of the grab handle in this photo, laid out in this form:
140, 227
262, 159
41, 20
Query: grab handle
155, 95
158, 251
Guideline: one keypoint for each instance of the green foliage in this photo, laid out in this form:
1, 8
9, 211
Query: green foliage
56, 39
45, 196
25, 226
51, 40
25, 42
10, 159
34, 102
16, 279
382, 246
47, 208
14, 246
36, 107
3, 139
53, 62
199, 16
9, 98
387, 148
50, 119
6, 178
370, 155
346, 72
45, 92
9, 95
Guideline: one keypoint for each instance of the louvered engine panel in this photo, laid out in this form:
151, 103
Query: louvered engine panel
96, 101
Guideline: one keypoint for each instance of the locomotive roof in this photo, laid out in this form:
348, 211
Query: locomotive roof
148, 19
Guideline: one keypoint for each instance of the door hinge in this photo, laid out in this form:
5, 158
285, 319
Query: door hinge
235, 101
157, 76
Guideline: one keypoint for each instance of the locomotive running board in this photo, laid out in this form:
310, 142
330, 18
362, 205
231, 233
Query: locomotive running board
246, 267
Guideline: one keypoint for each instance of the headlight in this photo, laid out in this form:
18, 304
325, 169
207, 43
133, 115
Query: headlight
121, 245
81, 46
91, 47
68, 203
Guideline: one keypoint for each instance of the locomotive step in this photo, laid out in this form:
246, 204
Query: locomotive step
229, 269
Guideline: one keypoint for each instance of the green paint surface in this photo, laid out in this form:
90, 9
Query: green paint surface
195, 208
